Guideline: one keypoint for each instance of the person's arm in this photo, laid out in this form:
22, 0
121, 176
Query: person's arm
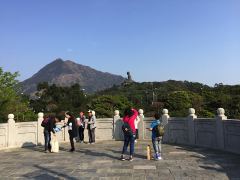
90, 122
94, 119
135, 113
151, 127
66, 124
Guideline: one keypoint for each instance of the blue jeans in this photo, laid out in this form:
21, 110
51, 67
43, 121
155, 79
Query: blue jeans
47, 138
128, 139
157, 145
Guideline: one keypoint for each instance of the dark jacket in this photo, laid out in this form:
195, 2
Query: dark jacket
83, 120
51, 124
73, 131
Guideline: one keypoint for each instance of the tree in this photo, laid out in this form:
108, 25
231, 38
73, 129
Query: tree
178, 103
11, 101
55, 99
106, 104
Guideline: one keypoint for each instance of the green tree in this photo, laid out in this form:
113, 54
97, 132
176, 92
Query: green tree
11, 100
106, 104
178, 103
56, 99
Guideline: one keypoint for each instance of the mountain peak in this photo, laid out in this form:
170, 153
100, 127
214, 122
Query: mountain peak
66, 73
58, 60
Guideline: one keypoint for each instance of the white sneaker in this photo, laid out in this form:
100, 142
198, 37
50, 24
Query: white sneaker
159, 158
135, 141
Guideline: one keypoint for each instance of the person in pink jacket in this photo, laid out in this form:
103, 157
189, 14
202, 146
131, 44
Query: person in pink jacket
129, 132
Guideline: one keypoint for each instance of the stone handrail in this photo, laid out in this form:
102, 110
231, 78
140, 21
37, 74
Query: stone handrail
218, 133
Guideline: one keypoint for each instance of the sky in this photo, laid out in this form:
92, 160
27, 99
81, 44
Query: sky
156, 40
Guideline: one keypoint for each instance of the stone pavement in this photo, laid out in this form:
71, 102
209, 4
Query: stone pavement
101, 161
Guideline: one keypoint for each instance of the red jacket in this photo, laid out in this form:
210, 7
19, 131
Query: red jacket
130, 120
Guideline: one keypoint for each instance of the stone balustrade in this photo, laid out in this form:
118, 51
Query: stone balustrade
217, 133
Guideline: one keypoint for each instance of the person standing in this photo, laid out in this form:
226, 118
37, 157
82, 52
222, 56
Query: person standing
91, 126
81, 125
136, 122
72, 129
156, 139
129, 132
49, 124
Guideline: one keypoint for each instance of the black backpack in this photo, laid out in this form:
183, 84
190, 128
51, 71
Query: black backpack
44, 122
159, 130
127, 129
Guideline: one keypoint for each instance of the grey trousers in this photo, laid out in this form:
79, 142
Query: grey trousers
157, 145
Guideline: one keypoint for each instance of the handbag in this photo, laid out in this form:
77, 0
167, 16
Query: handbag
126, 128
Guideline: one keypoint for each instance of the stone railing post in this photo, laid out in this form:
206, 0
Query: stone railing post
219, 125
191, 129
116, 117
141, 125
40, 136
165, 118
117, 124
11, 131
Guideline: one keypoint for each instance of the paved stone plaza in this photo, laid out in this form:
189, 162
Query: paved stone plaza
101, 161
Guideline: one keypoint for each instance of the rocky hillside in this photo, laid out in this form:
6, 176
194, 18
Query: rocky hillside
66, 73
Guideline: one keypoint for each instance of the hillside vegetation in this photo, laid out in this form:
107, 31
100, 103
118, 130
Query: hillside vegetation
176, 96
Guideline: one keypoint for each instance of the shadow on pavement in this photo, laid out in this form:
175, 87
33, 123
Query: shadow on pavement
48, 174
216, 160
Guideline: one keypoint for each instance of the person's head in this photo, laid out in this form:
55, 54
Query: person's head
128, 112
54, 118
45, 116
57, 119
157, 116
69, 115
89, 113
81, 113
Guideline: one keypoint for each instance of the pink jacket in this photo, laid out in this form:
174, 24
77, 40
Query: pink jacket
131, 120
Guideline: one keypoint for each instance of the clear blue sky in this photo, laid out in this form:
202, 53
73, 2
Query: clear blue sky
157, 40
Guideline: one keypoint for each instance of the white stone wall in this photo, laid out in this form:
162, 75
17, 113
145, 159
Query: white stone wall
217, 133
205, 132
24, 134
178, 130
146, 133
104, 130
3, 135
231, 130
